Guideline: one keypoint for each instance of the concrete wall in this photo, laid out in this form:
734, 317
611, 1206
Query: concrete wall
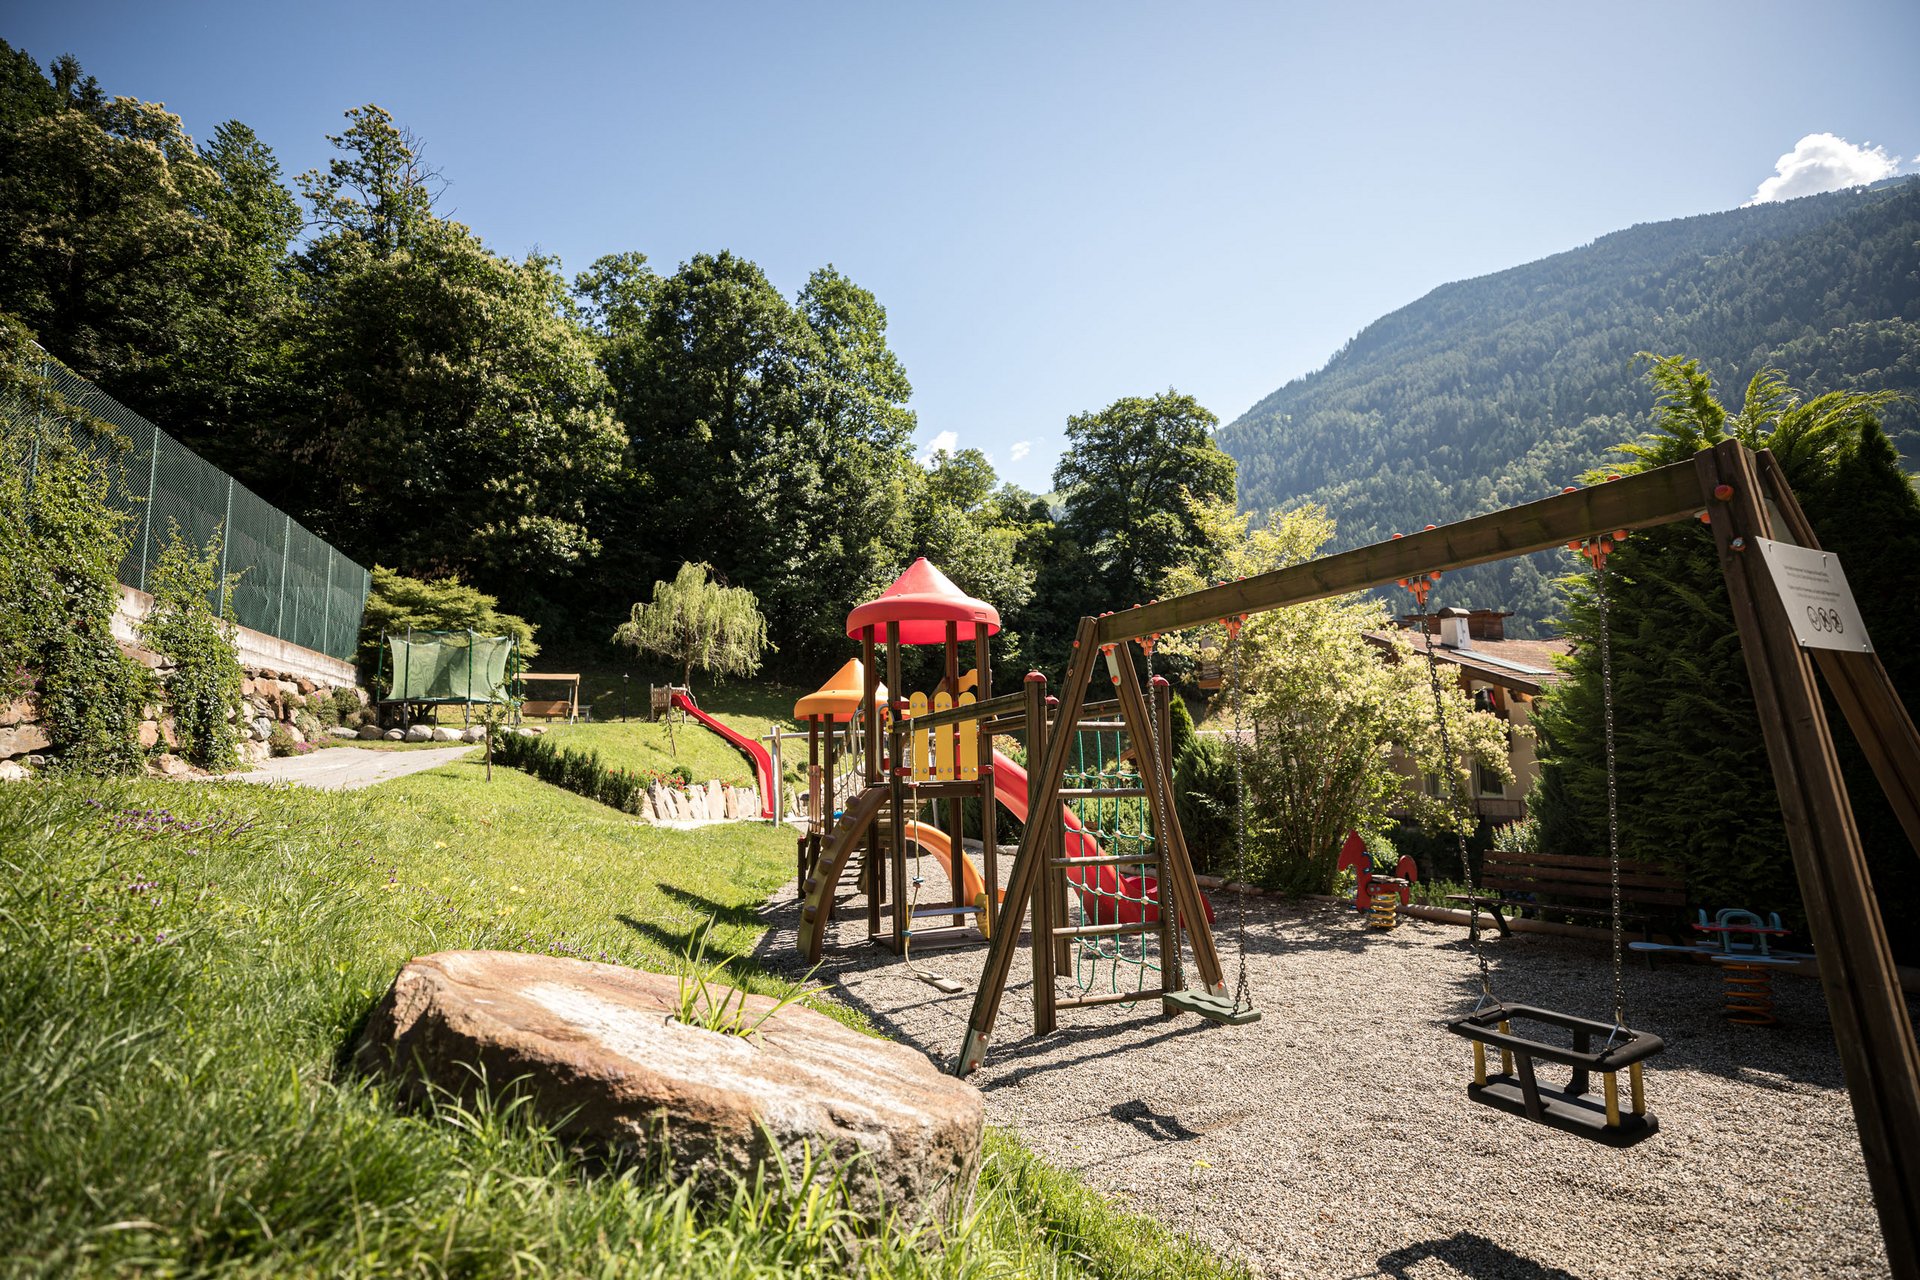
256, 649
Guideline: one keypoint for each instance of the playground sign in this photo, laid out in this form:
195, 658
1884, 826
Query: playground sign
1818, 601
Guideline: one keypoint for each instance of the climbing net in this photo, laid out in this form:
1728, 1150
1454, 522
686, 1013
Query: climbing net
1117, 843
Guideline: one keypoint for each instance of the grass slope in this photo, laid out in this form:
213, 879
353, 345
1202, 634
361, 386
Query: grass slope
181, 967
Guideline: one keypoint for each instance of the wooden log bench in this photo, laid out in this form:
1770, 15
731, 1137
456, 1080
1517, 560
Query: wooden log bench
1573, 885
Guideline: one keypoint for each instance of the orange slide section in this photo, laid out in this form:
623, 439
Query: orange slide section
762, 762
1104, 891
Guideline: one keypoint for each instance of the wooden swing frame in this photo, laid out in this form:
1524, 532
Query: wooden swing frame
1746, 496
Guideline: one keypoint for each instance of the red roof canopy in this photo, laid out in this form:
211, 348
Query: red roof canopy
923, 601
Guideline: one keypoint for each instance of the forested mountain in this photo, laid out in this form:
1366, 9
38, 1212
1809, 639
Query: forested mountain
1505, 388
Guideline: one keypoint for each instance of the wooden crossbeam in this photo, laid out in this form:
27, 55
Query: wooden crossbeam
1636, 501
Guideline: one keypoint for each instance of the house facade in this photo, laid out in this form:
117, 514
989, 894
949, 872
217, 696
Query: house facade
1498, 675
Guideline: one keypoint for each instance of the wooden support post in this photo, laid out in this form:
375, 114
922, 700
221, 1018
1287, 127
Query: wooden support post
1870, 1022
1032, 858
1158, 774
870, 730
1859, 681
956, 807
1170, 975
1044, 1018
989, 785
897, 840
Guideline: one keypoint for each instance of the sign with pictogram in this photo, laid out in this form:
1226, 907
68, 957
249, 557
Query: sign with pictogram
1818, 600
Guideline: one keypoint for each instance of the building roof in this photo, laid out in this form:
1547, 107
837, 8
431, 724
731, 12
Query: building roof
923, 601
1524, 666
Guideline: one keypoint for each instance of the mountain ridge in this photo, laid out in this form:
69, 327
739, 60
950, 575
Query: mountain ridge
1504, 387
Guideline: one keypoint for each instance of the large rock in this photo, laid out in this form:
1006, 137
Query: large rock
716, 805
474, 733
599, 1052
19, 711
343, 731
419, 733
261, 728
446, 733
13, 771
394, 735
23, 739
370, 733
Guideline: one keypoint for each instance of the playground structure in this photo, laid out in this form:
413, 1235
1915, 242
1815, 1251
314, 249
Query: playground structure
445, 668
1379, 896
1099, 920
681, 701
1751, 510
551, 708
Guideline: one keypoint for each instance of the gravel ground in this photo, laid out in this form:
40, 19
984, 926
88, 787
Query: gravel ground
1334, 1136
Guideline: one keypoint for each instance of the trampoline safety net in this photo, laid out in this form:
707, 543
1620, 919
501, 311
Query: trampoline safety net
448, 666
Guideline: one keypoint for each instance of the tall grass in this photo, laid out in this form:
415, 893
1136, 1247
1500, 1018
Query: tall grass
182, 969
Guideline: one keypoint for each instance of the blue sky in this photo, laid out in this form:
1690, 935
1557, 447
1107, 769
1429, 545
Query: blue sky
1059, 204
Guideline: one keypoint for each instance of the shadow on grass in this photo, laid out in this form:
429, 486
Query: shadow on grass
1473, 1256
745, 915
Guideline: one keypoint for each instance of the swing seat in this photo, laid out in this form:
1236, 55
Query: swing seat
1214, 1008
1516, 1088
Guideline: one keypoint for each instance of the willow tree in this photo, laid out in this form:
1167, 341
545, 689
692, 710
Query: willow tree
694, 621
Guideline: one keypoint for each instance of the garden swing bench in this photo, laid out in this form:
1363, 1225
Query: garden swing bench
1753, 514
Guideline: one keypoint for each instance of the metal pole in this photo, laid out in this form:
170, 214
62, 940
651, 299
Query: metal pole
146, 531
226, 538
286, 541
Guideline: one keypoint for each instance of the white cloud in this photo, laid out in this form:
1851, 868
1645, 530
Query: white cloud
942, 443
1020, 450
1823, 162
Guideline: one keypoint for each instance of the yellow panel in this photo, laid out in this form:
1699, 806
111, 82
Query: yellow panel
916, 708
969, 742
943, 740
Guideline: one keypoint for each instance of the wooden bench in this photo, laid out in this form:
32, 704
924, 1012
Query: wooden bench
549, 708
1572, 885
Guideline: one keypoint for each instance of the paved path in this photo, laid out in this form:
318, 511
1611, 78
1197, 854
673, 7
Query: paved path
348, 768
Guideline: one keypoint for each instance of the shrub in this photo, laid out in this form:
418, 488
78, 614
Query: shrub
184, 625
581, 772
1204, 798
61, 543
280, 740
1521, 836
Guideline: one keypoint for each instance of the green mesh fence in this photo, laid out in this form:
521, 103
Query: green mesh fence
447, 666
292, 585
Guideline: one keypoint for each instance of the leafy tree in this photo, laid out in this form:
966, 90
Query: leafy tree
695, 622
976, 530
203, 684
101, 241
1326, 716
396, 602
1131, 479
1691, 763
444, 395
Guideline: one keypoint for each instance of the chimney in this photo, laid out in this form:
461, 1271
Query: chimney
1454, 632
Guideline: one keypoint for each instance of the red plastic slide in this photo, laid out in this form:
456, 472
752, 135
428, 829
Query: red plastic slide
762, 762
1103, 889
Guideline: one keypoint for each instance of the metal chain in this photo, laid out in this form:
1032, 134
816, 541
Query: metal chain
1242, 993
1613, 790
1453, 804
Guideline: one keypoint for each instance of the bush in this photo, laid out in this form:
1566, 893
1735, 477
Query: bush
61, 543
183, 625
1204, 801
581, 772
280, 740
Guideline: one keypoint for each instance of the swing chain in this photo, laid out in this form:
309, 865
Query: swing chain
1453, 804
1242, 993
1613, 791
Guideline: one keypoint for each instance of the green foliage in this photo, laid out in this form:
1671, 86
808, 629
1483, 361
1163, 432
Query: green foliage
280, 739
396, 602
1204, 801
61, 543
1180, 732
1499, 390
203, 688
1697, 791
1133, 480
1521, 836
581, 772
693, 622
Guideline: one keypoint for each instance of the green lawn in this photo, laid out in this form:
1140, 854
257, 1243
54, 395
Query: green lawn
181, 968
646, 749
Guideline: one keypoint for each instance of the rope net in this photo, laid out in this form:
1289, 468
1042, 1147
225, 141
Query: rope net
1111, 894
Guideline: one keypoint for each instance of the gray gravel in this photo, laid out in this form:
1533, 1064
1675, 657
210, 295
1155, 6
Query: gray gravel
1334, 1136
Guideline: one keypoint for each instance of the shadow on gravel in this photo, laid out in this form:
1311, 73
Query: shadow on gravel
1473, 1256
